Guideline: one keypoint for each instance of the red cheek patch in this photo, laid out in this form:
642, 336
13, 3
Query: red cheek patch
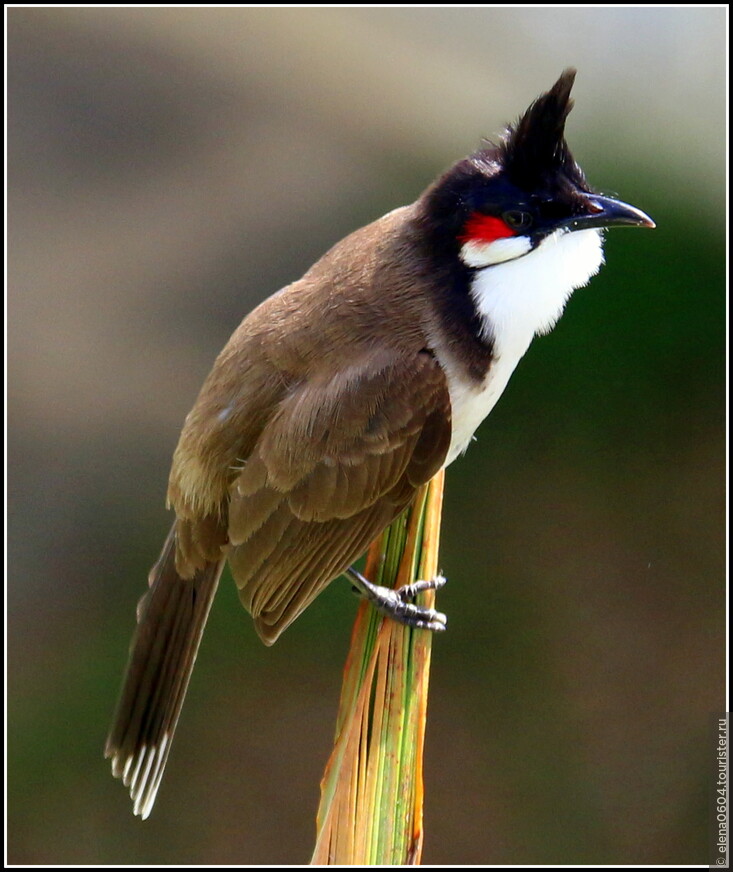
484, 228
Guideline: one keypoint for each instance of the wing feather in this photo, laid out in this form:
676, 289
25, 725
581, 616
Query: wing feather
338, 461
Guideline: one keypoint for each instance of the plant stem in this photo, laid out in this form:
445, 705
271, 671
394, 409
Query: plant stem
371, 809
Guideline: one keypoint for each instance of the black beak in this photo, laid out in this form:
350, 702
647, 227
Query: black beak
606, 212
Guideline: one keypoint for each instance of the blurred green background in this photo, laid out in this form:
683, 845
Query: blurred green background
168, 169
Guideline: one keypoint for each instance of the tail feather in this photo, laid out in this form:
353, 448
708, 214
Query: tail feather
171, 619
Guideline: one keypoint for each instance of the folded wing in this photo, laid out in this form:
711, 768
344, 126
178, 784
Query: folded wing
341, 457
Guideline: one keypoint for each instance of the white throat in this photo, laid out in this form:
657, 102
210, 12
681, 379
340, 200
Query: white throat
525, 296
516, 300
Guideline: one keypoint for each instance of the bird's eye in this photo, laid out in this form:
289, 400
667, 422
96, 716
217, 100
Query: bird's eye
517, 220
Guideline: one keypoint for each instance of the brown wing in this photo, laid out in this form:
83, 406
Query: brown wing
339, 460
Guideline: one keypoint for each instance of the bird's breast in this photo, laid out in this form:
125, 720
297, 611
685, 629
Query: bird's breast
471, 401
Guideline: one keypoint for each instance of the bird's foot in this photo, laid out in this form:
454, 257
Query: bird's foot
396, 603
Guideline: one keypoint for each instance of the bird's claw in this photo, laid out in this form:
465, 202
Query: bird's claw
396, 603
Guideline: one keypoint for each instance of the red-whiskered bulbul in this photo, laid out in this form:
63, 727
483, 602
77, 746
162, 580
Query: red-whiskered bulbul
342, 393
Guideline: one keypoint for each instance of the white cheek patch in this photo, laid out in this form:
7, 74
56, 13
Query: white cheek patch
478, 254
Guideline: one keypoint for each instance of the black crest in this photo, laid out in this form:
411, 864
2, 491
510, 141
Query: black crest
534, 148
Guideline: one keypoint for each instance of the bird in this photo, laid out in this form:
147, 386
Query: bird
341, 394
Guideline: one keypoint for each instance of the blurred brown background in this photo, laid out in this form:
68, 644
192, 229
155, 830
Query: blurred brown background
168, 169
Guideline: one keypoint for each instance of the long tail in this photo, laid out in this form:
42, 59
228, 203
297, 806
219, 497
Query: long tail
171, 619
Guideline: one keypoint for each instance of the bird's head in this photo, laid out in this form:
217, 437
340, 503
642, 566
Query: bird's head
507, 200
